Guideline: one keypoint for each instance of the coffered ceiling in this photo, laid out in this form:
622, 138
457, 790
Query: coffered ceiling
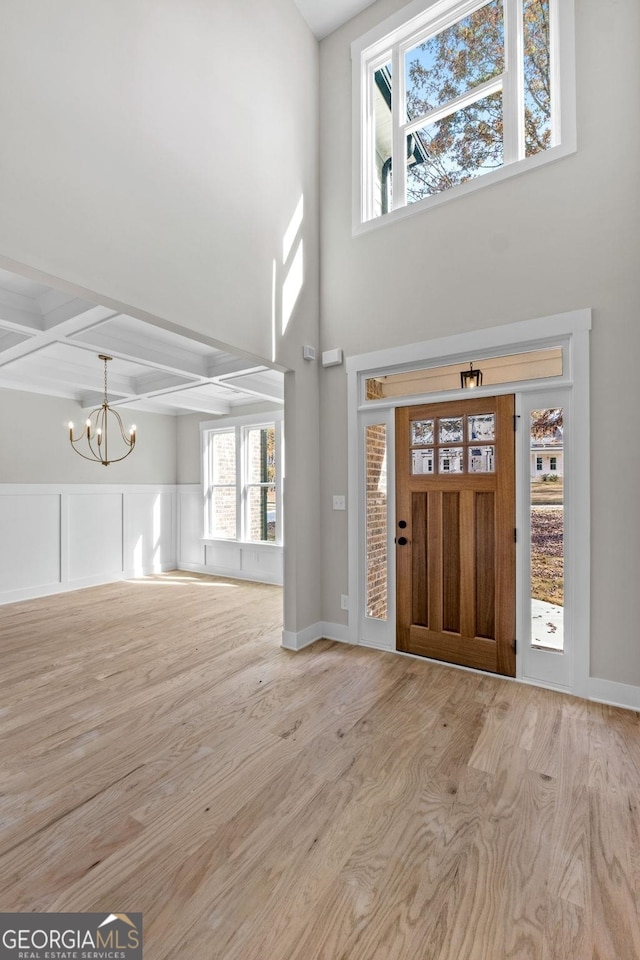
49, 344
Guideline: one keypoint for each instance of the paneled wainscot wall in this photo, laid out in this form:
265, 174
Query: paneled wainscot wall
57, 537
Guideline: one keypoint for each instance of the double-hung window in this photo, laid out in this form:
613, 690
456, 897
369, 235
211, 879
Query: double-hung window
242, 482
453, 93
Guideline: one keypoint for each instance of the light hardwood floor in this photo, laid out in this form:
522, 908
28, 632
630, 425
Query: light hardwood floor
161, 753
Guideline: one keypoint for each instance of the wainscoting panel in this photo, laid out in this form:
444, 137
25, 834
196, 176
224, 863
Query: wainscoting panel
61, 537
94, 525
57, 537
222, 558
190, 513
148, 518
29, 541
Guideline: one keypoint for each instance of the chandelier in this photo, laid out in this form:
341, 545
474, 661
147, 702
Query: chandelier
96, 430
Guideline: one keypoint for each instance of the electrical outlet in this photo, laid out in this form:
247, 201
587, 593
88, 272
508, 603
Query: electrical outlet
344, 602
339, 503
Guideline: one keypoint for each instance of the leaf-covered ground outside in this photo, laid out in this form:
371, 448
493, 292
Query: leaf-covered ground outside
547, 560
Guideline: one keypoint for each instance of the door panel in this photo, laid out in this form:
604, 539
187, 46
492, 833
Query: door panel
455, 490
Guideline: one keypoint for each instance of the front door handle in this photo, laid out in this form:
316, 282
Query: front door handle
401, 541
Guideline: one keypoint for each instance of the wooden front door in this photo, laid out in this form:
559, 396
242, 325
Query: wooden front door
455, 532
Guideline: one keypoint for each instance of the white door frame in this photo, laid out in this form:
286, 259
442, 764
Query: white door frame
571, 331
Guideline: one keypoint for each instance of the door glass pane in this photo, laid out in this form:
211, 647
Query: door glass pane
547, 528
376, 520
481, 459
450, 430
481, 427
422, 461
421, 432
450, 460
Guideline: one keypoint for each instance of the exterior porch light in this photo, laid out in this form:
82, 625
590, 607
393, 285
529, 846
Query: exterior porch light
470, 378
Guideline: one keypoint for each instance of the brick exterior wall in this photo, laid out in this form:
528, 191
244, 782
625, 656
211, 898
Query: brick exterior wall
223, 507
376, 508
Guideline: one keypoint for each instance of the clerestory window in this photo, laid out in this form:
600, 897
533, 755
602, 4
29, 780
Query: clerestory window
457, 92
242, 482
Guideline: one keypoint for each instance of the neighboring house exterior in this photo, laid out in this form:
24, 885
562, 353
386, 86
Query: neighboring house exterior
546, 456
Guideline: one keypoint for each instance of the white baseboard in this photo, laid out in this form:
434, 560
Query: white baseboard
378, 646
616, 694
229, 574
323, 630
602, 691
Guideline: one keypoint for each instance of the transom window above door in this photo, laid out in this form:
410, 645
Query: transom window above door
514, 368
453, 92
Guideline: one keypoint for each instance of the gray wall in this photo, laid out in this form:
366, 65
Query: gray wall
559, 238
153, 153
34, 440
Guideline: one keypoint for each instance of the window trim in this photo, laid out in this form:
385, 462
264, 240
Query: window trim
241, 426
401, 29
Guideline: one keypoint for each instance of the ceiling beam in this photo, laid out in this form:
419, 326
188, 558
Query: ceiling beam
254, 384
226, 365
133, 348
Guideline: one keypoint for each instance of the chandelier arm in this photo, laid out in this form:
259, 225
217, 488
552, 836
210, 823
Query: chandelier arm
129, 440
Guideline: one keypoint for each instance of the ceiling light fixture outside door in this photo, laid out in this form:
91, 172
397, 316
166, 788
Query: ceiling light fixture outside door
96, 430
470, 378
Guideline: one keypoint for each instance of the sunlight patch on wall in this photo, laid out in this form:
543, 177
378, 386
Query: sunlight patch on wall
292, 285
292, 230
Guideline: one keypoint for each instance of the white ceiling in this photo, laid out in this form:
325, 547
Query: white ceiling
325, 16
49, 344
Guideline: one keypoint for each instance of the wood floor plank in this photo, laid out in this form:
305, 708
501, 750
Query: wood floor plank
160, 752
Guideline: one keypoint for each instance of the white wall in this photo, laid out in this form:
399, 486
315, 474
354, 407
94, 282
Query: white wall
562, 237
153, 153
34, 440
58, 537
